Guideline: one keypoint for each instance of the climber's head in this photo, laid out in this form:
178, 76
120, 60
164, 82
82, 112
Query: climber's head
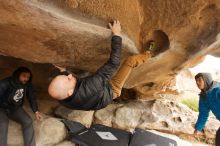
62, 86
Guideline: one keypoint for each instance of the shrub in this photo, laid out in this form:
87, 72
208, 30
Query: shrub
192, 103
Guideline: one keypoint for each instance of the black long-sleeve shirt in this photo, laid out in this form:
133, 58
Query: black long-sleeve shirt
95, 92
12, 94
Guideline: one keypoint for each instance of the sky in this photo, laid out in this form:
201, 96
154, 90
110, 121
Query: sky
211, 64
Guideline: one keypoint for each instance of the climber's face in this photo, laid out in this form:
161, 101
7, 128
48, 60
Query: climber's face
200, 83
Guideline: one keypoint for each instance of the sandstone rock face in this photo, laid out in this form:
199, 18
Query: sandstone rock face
128, 12
179, 19
56, 37
73, 33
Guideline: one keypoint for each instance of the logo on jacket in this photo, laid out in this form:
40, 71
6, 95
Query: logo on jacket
18, 95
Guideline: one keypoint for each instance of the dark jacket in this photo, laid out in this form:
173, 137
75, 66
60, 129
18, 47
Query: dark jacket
12, 92
94, 92
209, 100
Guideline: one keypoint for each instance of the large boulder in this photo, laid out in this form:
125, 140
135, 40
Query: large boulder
48, 132
84, 117
66, 143
107, 115
161, 115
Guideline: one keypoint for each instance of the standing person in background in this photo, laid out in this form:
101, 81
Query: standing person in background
209, 100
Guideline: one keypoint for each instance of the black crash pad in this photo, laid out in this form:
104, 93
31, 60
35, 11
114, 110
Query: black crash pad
146, 138
100, 135
73, 127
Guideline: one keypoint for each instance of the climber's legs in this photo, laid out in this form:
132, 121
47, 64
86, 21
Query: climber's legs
118, 81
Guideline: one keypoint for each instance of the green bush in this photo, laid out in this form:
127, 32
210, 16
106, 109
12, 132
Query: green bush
192, 103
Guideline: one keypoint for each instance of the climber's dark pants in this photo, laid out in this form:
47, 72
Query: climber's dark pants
217, 139
21, 117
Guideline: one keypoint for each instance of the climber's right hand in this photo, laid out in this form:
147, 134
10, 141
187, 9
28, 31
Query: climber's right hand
62, 69
115, 27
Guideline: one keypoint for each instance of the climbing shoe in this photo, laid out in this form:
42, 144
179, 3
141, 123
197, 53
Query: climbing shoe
151, 45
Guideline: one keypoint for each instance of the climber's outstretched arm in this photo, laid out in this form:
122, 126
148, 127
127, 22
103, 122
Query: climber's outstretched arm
111, 66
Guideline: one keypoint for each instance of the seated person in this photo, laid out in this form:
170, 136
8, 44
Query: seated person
13, 89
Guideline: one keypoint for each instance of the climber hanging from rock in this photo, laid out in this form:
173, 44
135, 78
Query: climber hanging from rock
98, 90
